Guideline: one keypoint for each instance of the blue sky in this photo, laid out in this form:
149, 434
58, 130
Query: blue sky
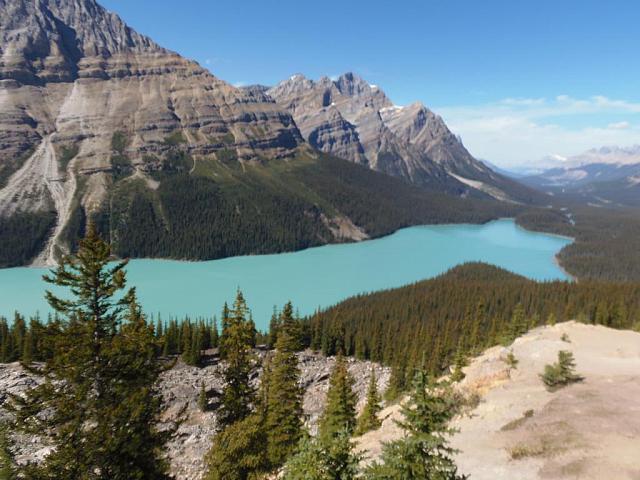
518, 80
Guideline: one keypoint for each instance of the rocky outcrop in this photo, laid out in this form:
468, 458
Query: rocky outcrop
73, 75
519, 429
352, 119
180, 388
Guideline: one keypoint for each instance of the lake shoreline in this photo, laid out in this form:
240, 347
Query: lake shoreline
315, 277
353, 242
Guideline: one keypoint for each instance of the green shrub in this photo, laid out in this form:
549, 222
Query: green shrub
561, 373
511, 360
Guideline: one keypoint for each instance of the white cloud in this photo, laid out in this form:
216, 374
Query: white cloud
523, 131
240, 84
619, 125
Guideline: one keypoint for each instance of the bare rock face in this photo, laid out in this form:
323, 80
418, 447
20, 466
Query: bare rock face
180, 388
354, 120
73, 75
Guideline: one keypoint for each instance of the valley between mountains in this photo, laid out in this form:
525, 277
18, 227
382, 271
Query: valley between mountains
99, 122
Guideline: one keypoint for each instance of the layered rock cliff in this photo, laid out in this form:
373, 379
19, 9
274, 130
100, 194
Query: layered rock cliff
82, 94
352, 119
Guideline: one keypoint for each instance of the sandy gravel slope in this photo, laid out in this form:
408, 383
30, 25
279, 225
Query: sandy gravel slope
521, 431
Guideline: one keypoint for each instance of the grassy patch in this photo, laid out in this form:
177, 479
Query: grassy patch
518, 422
67, 153
228, 138
227, 155
174, 139
119, 141
528, 450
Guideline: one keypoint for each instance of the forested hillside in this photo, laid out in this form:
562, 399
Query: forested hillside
607, 240
222, 209
440, 321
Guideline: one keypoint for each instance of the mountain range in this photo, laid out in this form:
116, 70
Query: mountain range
606, 175
352, 119
98, 121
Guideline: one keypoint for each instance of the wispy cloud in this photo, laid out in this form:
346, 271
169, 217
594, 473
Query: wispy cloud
519, 131
619, 125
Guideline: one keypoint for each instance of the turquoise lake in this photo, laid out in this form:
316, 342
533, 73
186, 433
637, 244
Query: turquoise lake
312, 278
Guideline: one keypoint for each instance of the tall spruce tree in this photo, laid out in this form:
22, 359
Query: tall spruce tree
424, 451
214, 335
238, 452
284, 394
318, 460
7, 460
274, 323
340, 410
368, 419
100, 382
238, 394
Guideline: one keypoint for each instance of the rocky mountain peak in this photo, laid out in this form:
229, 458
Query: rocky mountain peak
43, 40
88, 101
352, 85
364, 126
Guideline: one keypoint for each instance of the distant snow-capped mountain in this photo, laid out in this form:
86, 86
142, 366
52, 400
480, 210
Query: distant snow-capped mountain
608, 175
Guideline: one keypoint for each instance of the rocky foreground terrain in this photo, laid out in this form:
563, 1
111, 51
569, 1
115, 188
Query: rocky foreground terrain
180, 387
519, 430
516, 429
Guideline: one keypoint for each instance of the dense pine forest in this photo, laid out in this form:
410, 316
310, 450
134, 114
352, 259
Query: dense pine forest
607, 240
462, 312
207, 208
471, 307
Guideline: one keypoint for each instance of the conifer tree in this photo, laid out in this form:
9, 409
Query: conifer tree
316, 336
511, 360
424, 452
159, 329
368, 419
517, 326
283, 421
252, 331
7, 460
223, 332
100, 382
238, 452
562, 372
214, 341
292, 328
318, 460
459, 362
238, 394
203, 401
273, 328
26, 357
340, 408
397, 380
